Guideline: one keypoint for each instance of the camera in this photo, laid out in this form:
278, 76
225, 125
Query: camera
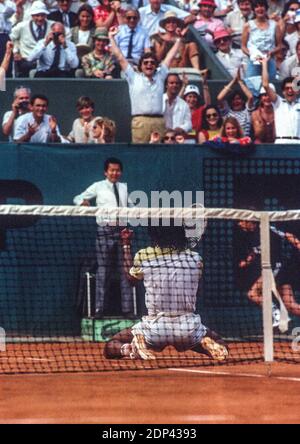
56, 37
23, 105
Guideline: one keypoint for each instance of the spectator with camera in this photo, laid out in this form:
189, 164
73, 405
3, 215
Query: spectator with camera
55, 55
20, 106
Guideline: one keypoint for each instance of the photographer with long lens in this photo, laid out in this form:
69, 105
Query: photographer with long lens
55, 55
20, 106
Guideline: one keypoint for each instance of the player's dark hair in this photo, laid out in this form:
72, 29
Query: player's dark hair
168, 237
112, 160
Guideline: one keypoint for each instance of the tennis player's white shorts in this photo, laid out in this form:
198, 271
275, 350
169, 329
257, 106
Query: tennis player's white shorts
182, 332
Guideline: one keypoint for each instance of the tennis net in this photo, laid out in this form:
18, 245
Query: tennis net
76, 296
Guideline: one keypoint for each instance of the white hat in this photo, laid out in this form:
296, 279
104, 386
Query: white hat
263, 91
297, 17
191, 89
38, 7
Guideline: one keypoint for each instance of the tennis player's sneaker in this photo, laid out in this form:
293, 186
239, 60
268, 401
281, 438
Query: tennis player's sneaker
214, 349
139, 348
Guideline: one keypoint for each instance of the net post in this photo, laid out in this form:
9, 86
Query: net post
88, 294
266, 287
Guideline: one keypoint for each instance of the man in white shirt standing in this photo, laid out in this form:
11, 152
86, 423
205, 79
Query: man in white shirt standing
146, 88
109, 193
286, 109
37, 126
177, 113
55, 55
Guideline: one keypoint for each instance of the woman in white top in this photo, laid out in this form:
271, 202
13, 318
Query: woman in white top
261, 38
82, 128
82, 35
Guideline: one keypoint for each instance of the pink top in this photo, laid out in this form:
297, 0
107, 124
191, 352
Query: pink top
211, 25
100, 12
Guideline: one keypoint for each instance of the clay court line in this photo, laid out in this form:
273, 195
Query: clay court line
247, 375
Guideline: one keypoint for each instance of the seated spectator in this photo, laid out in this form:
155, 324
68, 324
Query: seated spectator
104, 130
132, 39
231, 59
211, 124
206, 23
193, 98
288, 65
37, 126
146, 88
177, 113
63, 14
26, 35
169, 138
239, 104
20, 106
236, 19
263, 119
7, 9
109, 13
281, 56
188, 56
232, 132
99, 63
153, 13
82, 126
275, 9
261, 38
55, 55
288, 25
82, 35
182, 136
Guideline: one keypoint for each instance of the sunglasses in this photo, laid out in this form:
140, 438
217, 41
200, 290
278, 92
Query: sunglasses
131, 17
209, 116
222, 39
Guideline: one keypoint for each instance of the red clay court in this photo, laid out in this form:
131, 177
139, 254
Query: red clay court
177, 390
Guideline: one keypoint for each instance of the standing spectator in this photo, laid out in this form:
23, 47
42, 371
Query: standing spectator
261, 38
287, 66
82, 35
211, 125
55, 55
4, 67
109, 13
177, 113
104, 130
238, 105
20, 106
231, 59
63, 14
37, 126
193, 98
188, 56
263, 119
109, 193
82, 126
206, 23
25, 36
287, 109
152, 14
132, 39
236, 19
7, 9
148, 84
99, 63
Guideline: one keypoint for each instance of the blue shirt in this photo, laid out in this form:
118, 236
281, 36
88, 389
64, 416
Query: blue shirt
140, 41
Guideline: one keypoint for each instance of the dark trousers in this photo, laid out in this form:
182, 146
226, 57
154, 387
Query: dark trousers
23, 67
54, 73
110, 261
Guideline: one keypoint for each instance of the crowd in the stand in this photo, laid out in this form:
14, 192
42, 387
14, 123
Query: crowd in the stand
151, 45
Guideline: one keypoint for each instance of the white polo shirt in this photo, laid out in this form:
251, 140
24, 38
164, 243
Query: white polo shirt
177, 115
287, 120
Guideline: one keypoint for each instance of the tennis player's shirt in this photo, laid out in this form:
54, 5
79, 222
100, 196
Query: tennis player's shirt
171, 279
